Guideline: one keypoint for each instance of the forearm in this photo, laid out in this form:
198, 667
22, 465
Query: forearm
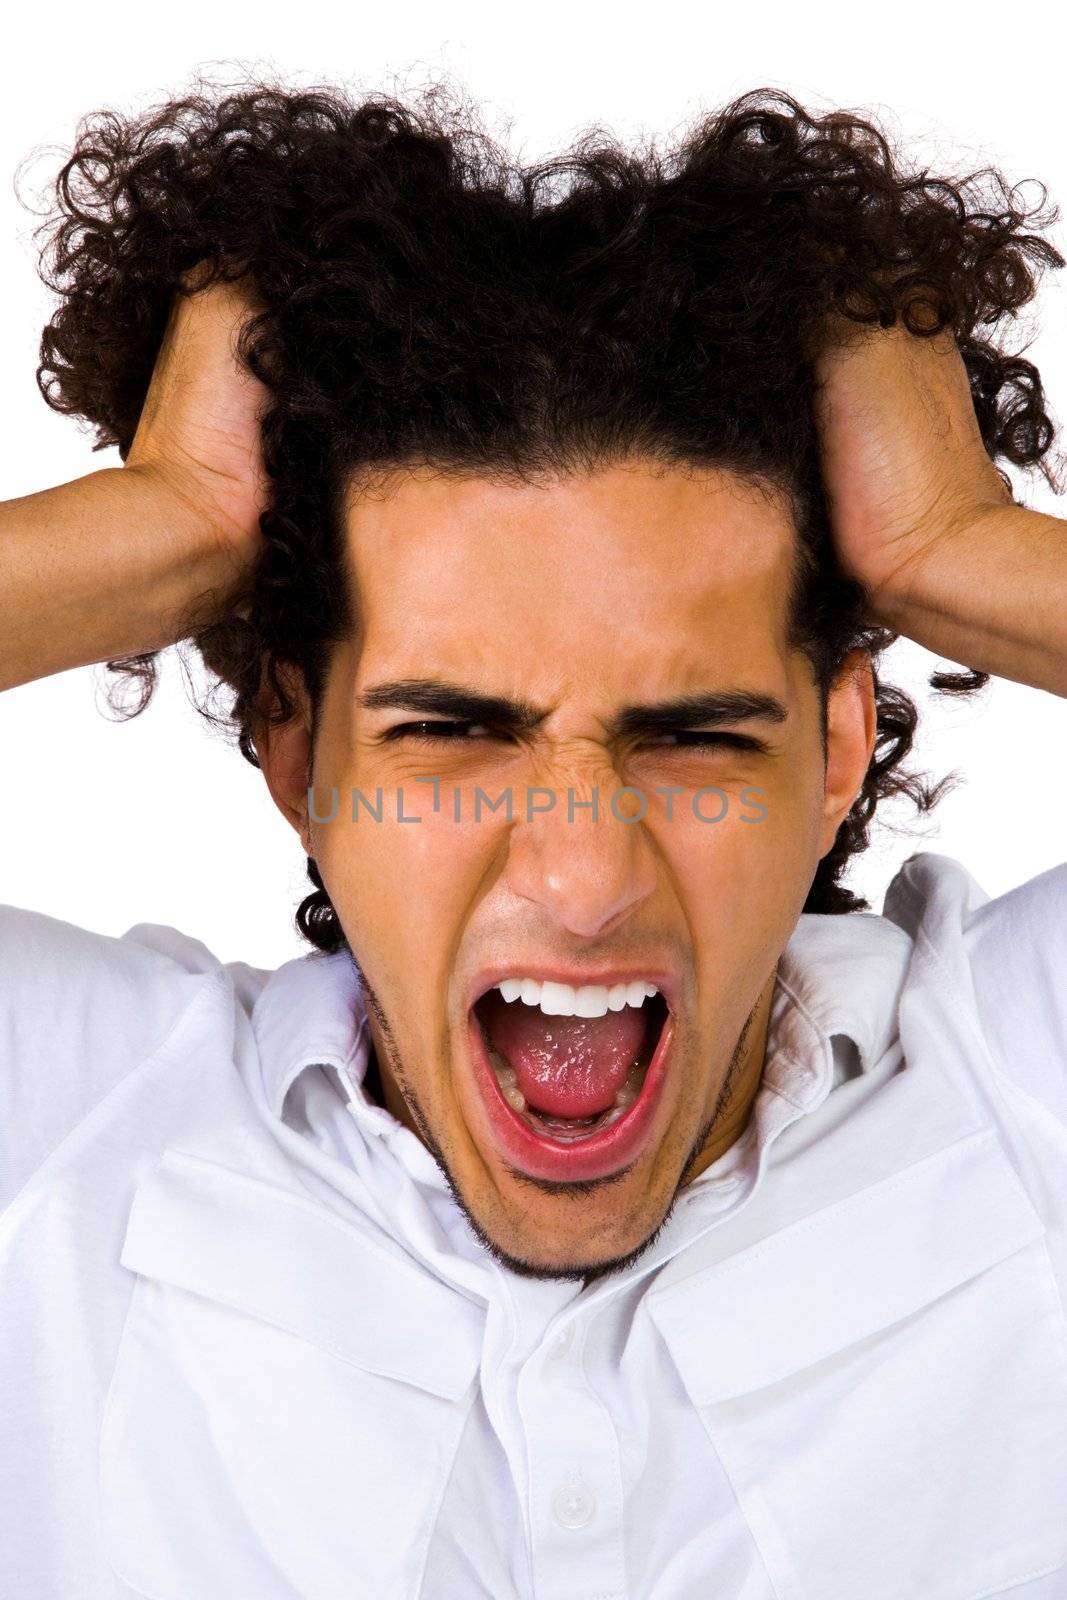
111, 564
993, 596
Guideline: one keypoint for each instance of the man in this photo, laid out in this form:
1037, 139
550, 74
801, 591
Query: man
610, 1205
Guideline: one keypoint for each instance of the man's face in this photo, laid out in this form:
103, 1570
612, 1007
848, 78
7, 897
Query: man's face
587, 611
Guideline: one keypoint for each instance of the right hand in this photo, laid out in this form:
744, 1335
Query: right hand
199, 429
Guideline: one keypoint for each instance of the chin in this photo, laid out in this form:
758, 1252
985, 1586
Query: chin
542, 1243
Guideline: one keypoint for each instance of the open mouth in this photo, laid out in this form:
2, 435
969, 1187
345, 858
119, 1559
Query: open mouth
570, 1077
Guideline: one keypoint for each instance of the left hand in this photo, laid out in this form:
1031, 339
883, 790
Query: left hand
903, 461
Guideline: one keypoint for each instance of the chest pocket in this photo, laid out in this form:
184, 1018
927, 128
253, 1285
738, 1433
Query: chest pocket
286, 1403
885, 1383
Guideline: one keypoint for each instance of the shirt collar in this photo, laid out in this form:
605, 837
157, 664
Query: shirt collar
839, 975
311, 1012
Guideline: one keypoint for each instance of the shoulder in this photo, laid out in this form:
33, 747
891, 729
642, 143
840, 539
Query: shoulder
79, 1011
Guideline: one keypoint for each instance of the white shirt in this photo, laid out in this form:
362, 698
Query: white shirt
251, 1350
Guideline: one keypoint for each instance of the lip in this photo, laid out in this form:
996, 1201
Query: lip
595, 1157
665, 980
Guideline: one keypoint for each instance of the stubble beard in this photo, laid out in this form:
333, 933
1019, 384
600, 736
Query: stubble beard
588, 1273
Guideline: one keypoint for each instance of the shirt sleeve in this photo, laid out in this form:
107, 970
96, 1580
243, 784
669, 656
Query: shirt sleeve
78, 1012
1017, 948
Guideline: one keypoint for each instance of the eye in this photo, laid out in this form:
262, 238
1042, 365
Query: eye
429, 731
704, 738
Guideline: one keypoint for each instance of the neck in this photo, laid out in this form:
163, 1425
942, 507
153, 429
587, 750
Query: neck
372, 1081
741, 1084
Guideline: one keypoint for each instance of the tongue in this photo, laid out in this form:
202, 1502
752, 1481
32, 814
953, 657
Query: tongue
567, 1066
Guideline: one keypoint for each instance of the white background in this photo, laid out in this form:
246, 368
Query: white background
107, 824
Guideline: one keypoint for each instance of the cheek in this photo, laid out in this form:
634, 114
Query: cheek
742, 882
405, 885
728, 833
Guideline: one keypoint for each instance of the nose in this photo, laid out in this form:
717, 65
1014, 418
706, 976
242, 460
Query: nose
586, 858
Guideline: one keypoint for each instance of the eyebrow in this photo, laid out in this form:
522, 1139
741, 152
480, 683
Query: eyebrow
444, 699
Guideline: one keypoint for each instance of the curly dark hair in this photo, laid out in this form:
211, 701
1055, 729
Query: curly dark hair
428, 299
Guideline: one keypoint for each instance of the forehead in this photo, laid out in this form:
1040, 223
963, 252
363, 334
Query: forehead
680, 565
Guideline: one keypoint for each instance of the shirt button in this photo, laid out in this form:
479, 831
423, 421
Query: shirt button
563, 1339
573, 1505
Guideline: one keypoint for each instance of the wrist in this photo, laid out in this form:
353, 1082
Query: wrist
197, 562
991, 596
937, 559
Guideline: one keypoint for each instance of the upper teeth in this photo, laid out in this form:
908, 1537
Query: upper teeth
590, 1000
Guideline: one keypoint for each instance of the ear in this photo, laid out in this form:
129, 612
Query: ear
284, 751
851, 733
